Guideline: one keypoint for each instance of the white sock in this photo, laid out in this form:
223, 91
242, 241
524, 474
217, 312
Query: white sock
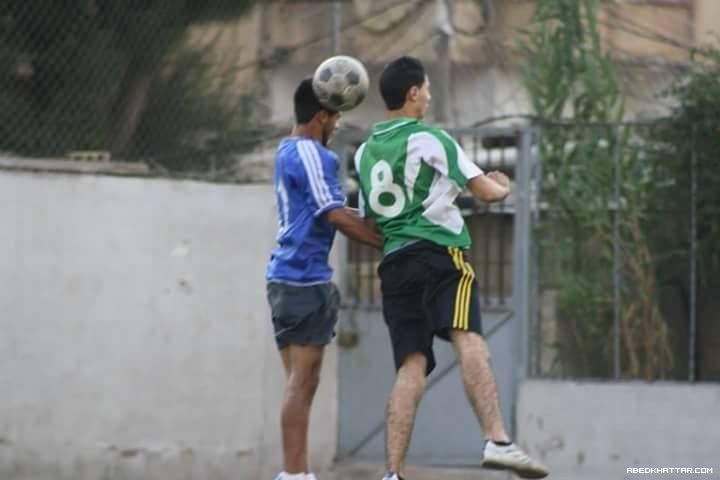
310, 476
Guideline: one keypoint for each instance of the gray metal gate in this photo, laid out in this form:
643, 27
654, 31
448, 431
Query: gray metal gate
446, 430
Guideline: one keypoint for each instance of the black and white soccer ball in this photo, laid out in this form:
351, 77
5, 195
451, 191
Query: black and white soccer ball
341, 83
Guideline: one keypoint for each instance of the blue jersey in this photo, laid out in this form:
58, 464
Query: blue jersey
306, 186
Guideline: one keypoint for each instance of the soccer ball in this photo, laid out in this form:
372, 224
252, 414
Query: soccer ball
341, 83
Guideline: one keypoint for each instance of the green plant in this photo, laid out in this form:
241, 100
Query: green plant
574, 91
193, 122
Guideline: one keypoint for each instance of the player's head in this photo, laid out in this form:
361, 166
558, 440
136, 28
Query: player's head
310, 113
404, 85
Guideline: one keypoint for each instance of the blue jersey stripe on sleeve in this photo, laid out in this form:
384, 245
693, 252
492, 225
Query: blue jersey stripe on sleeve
311, 169
315, 154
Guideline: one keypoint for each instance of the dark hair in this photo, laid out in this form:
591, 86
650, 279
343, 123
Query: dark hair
307, 103
397, 78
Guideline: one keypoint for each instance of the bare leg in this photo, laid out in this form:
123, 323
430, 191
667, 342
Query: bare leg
285, 357
303, 380
479, 380
404, 400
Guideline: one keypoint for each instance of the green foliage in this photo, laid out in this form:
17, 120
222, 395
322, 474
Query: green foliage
71, 69
592, 173
692, 132
567, 72
207, 128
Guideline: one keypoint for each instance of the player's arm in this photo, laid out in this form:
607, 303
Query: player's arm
370, 222
327, 197
491, 187
363, 213
353, 226
370, 227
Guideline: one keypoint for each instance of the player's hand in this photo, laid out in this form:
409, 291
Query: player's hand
500, 178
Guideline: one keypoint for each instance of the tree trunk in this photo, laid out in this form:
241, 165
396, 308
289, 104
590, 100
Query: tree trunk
133, 100
443, 30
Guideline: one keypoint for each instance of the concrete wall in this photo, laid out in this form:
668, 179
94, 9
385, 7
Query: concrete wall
477, 93
136, 344
135, 340
706, 18
485, 76
595, 431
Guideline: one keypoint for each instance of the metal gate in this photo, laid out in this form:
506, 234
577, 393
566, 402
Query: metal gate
446, 430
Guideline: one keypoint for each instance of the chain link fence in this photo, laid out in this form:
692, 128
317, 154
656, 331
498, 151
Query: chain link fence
628, 217
125, 81
193, 88
626, 246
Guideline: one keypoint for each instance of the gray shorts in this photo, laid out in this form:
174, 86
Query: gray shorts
303, 315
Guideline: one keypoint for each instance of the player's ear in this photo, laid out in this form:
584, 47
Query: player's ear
322, 117
412, 94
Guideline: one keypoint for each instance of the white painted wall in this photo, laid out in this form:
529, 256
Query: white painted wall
135, 344
595, 431
136, 340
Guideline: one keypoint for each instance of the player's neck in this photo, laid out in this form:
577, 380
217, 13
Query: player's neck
401, 113
306, 131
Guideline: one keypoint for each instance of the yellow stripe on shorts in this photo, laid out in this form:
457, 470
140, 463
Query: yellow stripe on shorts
462, 297
468, 293
453, 255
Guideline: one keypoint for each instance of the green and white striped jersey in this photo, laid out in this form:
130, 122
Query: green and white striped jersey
410, 175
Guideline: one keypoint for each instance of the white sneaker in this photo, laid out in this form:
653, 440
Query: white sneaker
310, 476
510, 457
292, 476
394, 476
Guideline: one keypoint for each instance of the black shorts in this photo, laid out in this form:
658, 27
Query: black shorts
427, 290
303, 315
